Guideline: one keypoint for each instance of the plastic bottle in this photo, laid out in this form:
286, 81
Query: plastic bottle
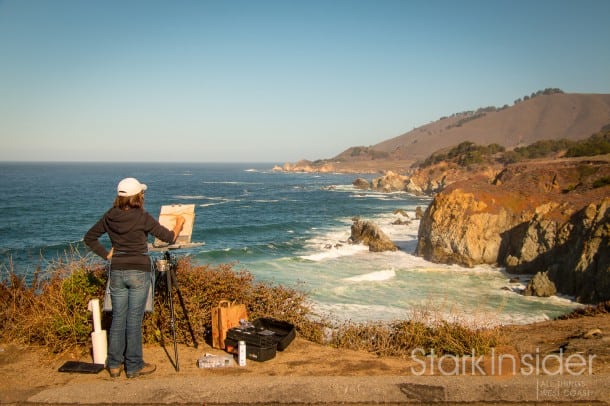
242, 354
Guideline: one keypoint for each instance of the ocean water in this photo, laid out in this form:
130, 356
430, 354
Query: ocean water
285, 228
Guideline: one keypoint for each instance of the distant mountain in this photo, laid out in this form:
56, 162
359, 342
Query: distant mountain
545, 116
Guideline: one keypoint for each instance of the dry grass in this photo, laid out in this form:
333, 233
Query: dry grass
401, 337
51, 310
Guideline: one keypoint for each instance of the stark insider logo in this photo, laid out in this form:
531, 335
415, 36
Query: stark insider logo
501, 364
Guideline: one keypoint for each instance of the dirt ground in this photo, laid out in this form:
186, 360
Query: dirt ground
27, 371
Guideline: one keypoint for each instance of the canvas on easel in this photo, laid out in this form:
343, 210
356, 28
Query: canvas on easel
167, 218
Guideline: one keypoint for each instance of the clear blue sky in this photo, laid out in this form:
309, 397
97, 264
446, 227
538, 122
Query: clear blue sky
274, 81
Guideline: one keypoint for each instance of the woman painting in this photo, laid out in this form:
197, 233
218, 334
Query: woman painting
128, 226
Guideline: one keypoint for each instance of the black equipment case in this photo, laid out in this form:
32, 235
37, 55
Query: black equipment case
263, 338
283, 332
258, 347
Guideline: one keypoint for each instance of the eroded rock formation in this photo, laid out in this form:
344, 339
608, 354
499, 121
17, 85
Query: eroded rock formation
547, 217
369, 233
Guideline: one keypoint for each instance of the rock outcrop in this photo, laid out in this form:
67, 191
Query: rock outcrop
546, 217
368, 233
428, 181
361, 184
389, 182
304, 166
540, 286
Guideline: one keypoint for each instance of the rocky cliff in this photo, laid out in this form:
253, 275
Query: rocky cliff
549, 217
428, 181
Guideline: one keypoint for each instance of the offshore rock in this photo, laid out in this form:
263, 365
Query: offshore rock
537, 217
361, 184
540, 286
368, 233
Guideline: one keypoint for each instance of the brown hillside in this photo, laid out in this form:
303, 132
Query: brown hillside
570, 116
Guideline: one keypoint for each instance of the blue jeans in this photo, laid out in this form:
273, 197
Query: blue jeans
128, 289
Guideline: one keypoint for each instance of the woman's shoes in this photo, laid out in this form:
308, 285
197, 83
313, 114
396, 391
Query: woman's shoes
115, 372
146, 369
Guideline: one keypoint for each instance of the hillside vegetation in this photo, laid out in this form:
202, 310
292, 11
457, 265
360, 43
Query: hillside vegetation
468, 153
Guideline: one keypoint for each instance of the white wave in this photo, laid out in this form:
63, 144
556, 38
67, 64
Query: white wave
467, 317
377, 276
251, 170
342, 188
190, 197
384, 197
332, 252
230, 182
217, 201
357, 312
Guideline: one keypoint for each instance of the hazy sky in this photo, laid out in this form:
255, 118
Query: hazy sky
274, 81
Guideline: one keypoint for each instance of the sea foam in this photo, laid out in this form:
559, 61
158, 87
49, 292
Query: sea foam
373, 276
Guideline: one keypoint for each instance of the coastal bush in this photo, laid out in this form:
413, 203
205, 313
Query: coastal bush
597, 144
52, 310
539, 149
464, 154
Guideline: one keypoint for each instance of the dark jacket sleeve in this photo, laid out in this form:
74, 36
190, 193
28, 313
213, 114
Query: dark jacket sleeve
92, 239
158, 230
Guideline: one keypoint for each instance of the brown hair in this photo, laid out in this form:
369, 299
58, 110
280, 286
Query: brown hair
129, 202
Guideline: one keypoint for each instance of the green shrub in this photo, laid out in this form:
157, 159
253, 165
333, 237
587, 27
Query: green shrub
597, 144
603, 181
464, 154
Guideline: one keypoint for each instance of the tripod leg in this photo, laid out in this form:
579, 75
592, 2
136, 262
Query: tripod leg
172, 315
186, 316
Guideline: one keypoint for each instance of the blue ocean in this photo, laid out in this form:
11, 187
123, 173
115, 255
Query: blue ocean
286, 228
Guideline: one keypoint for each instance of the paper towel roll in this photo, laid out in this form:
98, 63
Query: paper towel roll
94, 306
100, 346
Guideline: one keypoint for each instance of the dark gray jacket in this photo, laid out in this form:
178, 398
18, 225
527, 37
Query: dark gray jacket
128, 231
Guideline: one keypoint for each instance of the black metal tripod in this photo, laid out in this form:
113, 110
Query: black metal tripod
169, 269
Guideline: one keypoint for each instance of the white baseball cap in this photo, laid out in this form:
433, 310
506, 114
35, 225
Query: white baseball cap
130, 187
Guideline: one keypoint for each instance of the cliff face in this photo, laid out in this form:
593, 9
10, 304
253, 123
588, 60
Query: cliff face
544, 217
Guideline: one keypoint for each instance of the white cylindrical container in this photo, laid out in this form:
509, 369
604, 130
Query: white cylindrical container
94, 307
100, 346
241, 355
99, 341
